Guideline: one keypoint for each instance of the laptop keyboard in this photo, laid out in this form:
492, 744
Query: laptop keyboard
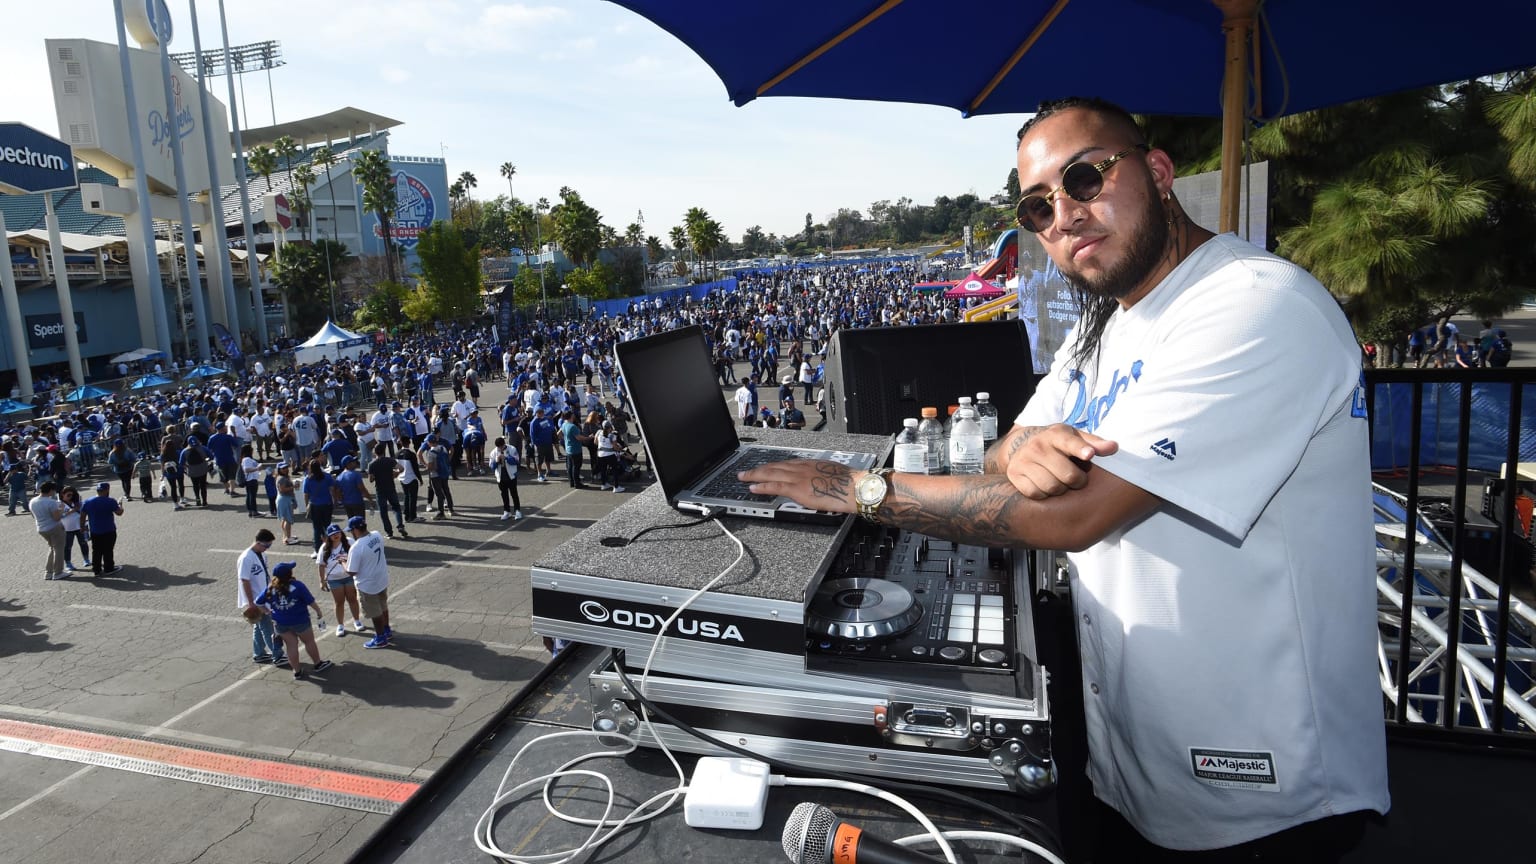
725, 485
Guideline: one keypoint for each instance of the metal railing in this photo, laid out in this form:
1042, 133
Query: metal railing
1458, 645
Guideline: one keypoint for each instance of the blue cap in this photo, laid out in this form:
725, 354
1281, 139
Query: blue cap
284, 569
332, 529
348, 460
357, 523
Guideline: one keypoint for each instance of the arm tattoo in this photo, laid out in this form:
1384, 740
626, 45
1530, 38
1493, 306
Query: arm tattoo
981, 512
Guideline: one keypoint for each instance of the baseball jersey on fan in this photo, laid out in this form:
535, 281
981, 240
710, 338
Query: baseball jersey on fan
1229, 638
367, 563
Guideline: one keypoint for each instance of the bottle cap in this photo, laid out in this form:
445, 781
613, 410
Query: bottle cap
910, 421
964, 401
931, 413
952, 409
983, 396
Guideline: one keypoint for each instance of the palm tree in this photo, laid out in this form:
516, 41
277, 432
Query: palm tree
302, 202
325, 159
455, 196
287, 148
704, 234
371, 170
263, 160
468, 181
507, 170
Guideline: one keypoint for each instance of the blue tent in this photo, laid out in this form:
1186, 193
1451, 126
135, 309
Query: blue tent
11, 406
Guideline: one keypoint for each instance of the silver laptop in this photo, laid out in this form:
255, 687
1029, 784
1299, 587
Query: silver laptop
692, 440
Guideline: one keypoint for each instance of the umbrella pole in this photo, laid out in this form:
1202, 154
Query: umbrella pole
1237, 24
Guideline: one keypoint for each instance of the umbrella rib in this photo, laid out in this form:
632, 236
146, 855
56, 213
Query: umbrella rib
1018, 54
773, 82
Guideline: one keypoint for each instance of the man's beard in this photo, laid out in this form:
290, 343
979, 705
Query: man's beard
1099, 298
1148, 240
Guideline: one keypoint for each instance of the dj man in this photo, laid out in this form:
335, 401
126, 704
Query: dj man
1199, 447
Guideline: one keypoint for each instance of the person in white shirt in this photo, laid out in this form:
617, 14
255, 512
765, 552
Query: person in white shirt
1200, 449
263, 431
370, 570
743, 399
252, 578
383, 423
305, 435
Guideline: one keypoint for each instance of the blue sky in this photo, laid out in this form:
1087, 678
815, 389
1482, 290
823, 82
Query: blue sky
575, 93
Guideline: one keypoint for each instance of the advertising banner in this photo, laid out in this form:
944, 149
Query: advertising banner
421, 198
47, 330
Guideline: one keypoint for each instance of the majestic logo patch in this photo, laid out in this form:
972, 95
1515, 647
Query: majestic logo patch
1253, 770
1166, 449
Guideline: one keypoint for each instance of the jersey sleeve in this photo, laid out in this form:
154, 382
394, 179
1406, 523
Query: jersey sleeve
1224, 405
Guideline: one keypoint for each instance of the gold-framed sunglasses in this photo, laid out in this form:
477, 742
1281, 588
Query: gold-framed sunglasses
1082, 181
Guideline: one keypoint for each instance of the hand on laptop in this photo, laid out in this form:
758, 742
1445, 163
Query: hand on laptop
810, 483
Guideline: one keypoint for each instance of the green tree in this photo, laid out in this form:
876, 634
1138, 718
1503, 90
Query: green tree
383, 307
1011, 190
526, 288
578, 228
753, 241
450, 272
594, 283
653, 248
370, 169
301, 274
634, 234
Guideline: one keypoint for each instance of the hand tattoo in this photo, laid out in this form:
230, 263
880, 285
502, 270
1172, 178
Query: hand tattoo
832, 481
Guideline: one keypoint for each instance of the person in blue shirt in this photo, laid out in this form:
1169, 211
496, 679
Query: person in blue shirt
573, 440
474, 443
222, 445
355, 496
289, 601
541, 432
101, 514
338, 448
320, 494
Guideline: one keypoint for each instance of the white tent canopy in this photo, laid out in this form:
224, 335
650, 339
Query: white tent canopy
331, 343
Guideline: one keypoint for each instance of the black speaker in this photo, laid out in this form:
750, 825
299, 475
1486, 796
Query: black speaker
878, 376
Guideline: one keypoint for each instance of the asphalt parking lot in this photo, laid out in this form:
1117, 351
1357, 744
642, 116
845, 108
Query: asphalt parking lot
134, 726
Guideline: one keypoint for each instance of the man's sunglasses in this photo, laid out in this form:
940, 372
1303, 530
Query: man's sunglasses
1082, 181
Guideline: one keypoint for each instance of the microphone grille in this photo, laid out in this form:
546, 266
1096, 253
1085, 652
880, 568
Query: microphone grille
806, 833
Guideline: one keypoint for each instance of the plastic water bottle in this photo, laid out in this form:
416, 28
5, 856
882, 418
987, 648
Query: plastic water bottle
966, 447
931, 433
986, 415
911, 451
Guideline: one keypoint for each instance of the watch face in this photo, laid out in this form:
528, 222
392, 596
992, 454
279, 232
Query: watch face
871, 489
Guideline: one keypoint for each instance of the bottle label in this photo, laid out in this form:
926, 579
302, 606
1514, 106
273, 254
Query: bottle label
911, 458
989, 427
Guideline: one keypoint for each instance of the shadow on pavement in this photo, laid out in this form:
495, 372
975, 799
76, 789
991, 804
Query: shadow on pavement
379, 686
467, 655
132, 578
24, 634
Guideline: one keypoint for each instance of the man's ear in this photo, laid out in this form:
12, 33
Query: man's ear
1161, 166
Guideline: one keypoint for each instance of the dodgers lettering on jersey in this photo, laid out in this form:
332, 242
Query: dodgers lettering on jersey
1087, 413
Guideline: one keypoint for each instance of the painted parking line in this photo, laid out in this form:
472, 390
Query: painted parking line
261, 776
169, 613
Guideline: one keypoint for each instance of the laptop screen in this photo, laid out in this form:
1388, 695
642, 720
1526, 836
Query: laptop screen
677, 399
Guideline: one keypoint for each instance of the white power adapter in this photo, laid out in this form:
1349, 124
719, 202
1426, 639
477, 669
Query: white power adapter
727, 793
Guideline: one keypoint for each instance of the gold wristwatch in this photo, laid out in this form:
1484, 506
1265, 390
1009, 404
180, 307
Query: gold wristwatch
870, 491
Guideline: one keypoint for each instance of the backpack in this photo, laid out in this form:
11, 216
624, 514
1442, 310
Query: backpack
197, 462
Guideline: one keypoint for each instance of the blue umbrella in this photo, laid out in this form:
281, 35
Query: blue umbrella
202, 371
89, 391
150, 381
1160, 57
11, 406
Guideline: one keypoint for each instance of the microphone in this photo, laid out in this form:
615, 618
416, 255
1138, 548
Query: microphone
815, 835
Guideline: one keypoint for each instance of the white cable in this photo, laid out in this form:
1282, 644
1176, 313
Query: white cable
933, 834
995, 836
484, 831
